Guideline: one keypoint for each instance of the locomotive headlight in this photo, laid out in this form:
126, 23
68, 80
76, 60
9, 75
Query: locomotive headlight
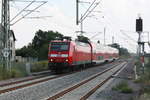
66, 60
51, 60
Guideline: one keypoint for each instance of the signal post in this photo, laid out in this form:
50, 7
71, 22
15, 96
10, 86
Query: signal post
141, 45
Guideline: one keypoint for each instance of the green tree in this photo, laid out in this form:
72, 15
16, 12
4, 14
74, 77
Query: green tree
115, 45
83, 39
122, 51
39, 45
43, 37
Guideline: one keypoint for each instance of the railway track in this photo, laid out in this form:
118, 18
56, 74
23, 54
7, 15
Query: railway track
70, 93
29, 82
21, 81
22, 84
100, 84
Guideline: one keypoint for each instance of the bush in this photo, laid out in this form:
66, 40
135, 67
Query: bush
16, 71
39, 66
123, 87
4, 74
126, 90
19, 69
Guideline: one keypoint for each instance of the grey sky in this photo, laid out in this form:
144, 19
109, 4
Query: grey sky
118, 15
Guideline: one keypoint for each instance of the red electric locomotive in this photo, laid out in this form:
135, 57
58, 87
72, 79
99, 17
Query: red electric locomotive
64, 54
67, 54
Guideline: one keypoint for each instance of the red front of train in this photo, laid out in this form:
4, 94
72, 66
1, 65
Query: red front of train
67, 54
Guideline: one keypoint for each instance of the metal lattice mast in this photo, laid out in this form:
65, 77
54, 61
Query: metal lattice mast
5, 24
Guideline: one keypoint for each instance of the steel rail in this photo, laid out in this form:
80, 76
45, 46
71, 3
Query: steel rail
60, 94
21, 81
29, 84
98, 86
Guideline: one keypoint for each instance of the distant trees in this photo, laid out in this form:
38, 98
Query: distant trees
82, 38
39, 45
122, 51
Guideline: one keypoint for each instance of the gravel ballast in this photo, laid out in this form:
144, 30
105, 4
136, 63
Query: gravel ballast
46, 89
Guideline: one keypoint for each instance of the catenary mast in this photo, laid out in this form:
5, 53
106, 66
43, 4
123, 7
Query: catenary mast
5, 34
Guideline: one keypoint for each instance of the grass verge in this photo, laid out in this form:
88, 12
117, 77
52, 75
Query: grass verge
144, 79
39, 66
19, 69
15, 72
123, 87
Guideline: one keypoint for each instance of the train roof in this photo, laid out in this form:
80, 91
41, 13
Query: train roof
60, 41
96, 46
104, 48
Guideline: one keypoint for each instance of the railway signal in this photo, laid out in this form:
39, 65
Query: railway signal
139, 25
139, 30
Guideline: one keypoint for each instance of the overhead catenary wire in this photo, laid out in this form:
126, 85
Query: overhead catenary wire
83, 5
38, 17
125, 39
87, 10
27, 1
130, 44
95, 35
29, 13
109, 21
128, 36
87, 14
84, 2
22, 10
112, 26
16, 7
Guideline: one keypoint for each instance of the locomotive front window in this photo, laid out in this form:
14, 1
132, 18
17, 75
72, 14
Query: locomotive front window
59, 46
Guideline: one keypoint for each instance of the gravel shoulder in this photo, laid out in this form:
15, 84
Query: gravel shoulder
34, 75
107, 93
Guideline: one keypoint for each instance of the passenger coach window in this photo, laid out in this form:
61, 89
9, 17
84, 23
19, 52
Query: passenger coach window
59, 46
